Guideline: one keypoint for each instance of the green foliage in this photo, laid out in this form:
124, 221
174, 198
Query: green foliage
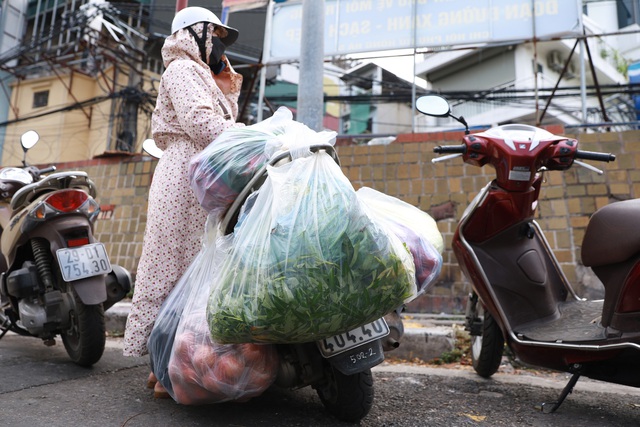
309, 298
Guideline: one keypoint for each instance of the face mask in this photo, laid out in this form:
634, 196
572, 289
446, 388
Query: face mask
215, 59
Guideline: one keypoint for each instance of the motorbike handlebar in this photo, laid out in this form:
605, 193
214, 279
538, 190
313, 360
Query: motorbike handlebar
461, 149
47, 169
592, 155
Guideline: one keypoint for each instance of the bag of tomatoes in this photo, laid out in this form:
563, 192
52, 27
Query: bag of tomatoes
194, 369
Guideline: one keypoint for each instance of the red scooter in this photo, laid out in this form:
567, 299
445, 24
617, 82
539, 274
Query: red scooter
519, 294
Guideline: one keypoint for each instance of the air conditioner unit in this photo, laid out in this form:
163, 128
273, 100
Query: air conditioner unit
555, 61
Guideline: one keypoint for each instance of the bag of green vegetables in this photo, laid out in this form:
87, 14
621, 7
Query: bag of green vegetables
307, 261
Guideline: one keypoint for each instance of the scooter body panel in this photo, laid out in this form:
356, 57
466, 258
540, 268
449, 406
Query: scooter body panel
56, 231
504, 253
519, 289
514, 272
519, 282
55, 280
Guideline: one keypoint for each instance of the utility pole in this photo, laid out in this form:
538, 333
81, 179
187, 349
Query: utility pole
127, 136
126, 140
310, 87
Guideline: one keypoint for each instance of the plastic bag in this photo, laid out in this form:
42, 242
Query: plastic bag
194, 369
220, 172
415, 228
307, 262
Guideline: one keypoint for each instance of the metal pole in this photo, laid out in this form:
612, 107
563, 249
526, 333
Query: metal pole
535, 60
265, 60
310, 94
583, 77
413, 84
583, 81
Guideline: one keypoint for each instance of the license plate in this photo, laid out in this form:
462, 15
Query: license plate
83, 261
347, 340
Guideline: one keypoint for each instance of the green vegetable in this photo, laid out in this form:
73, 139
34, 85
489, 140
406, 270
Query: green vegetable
311, 297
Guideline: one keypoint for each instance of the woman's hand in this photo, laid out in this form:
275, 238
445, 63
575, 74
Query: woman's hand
225, 80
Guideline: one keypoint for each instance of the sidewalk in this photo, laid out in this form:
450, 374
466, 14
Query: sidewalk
425, 337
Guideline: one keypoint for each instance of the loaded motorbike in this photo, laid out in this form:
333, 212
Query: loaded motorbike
337, 367
56, 278
520, 295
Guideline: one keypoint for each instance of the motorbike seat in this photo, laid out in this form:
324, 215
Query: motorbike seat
611, 247
613, 235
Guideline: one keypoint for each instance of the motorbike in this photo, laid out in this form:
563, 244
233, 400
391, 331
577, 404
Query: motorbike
55, 278
337, 367
520, 295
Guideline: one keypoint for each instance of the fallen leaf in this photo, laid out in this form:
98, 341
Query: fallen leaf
476, 417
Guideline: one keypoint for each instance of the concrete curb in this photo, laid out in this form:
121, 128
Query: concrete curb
426, 337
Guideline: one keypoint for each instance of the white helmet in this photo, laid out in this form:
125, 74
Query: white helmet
194, 14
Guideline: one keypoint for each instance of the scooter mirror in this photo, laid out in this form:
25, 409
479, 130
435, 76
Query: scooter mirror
29, 139
149, 145
433, 105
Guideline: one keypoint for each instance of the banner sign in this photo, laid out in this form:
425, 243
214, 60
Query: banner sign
237, 5
356, 26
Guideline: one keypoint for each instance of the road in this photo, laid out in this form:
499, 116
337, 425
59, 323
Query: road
40, 387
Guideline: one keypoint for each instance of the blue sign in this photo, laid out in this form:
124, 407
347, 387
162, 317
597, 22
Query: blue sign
634, 78
354, 26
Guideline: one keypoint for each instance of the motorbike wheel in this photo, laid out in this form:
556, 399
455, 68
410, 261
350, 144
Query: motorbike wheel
347, 397
487, 348
86, 338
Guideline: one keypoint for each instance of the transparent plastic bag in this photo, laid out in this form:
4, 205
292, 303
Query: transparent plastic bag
306, 261
194, 369
220, 171
415, 228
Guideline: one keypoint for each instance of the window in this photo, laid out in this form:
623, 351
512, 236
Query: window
628, 12
41, 99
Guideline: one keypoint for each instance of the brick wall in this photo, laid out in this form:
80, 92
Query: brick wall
123, 186
404, 170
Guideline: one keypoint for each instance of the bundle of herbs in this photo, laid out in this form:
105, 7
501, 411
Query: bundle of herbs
307, 261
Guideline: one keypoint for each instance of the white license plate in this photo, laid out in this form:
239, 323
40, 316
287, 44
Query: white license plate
347, 340
83, 261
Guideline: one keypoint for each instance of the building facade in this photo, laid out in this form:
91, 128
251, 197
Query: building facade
570, 81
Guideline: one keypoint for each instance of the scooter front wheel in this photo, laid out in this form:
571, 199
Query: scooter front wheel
85, 340
347, 397
486, 348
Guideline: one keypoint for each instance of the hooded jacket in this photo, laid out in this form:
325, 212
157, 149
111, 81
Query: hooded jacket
190, 105
191, 111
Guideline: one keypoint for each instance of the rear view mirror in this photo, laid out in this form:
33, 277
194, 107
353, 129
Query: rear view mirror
433, 105
149, 145
29, 139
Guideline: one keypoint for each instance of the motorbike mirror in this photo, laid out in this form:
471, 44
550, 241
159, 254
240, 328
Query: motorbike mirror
433, 105
149, 145
29, 139
437, 106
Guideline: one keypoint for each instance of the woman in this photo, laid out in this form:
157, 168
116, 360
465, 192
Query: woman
197, 100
